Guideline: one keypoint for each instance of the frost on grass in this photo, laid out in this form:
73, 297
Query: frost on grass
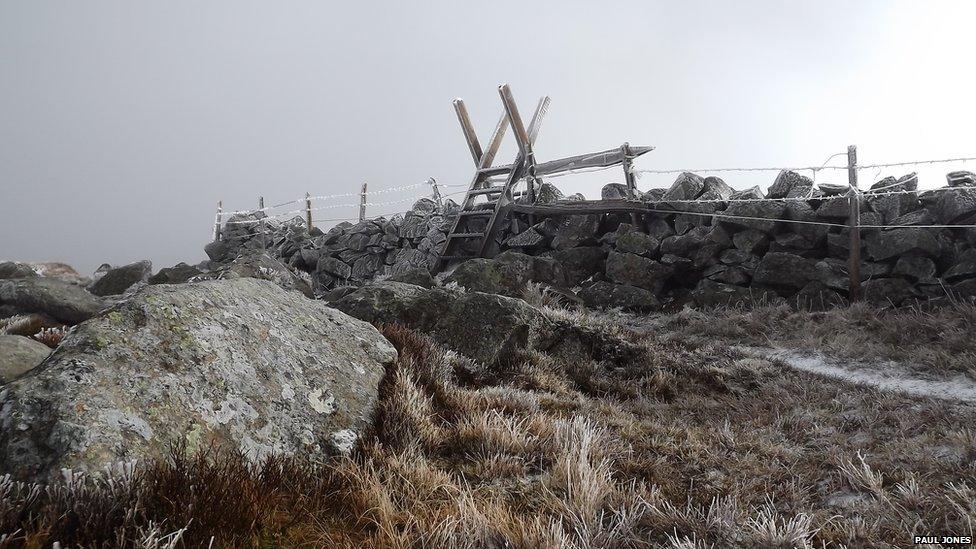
688, 444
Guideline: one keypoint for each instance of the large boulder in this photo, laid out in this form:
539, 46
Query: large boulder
507, 274
263, 267
638, 271
19, 355
118, 280
485, 327
55, 298
602, 295
241, 364
10, 269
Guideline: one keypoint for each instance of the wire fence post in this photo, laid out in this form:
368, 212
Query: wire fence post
362, 203
854, 222
437, 192
630, 180
263, 226
308, 211
216, 229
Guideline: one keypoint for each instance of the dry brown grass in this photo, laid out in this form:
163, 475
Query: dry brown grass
936, 341
690, 445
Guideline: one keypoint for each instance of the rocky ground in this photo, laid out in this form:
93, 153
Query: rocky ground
237, 403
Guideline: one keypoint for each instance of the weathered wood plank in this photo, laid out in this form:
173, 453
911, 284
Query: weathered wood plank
468, 129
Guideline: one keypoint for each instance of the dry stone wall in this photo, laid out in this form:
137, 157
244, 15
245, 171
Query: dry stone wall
703, 242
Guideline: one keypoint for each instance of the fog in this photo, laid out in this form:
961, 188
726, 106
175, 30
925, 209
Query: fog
123, 123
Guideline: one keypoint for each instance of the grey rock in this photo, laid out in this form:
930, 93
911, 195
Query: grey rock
638, 271
11, 269
685, 245
833, 209
961, 179
765, 212
888, 291
964, 268
615, 191
337, 293
240, 363
261, 266
833, 189
604, 295
526, 239
893, 206
957, 205
728, 275
19, 355
367, 267
417, 277
177, 274
784, 270
659, 228
424, 206
917, 217
686, 187
751, 241
55, 298
118, 280
892, 243
638, 243
916, 269
736, 256
334, 267
547, 194
575, 231
485, 327
785, 182
580, 264
653, 195
506, 274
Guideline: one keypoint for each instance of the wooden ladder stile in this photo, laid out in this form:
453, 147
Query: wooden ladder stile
498, 197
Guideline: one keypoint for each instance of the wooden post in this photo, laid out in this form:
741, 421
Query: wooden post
437, 192
630, 181
264, 226
216, 230
362, 203
308, 211
469, 134
854, 222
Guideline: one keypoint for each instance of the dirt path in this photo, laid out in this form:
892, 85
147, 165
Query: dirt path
882, 375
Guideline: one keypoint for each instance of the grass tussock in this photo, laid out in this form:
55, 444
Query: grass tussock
681, 445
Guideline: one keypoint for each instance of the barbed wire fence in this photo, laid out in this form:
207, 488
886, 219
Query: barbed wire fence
309, 205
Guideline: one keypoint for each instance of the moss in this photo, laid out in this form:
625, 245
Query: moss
194, 438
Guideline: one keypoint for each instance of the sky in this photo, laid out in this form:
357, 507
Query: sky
123, 123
